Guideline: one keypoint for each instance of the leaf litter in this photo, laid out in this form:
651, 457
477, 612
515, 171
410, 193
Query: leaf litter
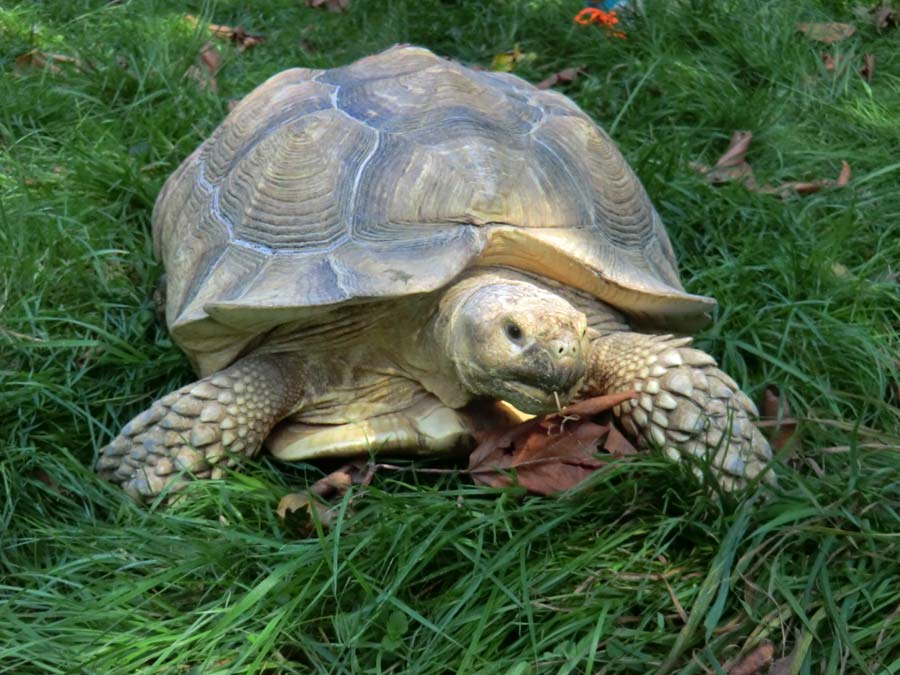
53, 63
755, 662
552, 453
209, 60
300, 510
564, 76
776, 410
734, 167
545, 455
881, 17
827, 33
838, 63
207, 66
238, 35
868, 67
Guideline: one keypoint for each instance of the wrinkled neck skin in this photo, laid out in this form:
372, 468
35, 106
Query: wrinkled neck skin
500, 334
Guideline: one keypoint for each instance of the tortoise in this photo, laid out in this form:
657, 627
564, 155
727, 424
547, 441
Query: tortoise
386, 256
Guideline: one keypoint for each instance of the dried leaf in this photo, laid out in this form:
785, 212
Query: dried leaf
830, 62
300, 511
330, 5
564, 76
835, 64
296, 509
757, 661
245, 40
39, 60
829, 33
49, 481
290, 503
736, 153
617, 445
489, 441
204, 71
883, 17
785, 664
785, 190
544, 466
844, 176
239, 36
551, 453
776, 407
868, 67
733, 166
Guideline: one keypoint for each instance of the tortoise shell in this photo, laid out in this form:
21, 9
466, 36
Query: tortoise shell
390, 177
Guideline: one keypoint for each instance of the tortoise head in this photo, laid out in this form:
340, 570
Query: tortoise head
514, 341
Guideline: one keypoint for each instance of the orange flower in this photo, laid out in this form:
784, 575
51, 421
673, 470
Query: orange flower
593, 15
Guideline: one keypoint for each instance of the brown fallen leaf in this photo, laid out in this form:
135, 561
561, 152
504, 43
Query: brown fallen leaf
40, 60
868, 67
884, 17
836, 64
734, 167
755, 662
245, 40
204, 71
828, 33
49, 481
809, 187
551, 453
881, 17
330, 5
831, 63
776, 407
785, 664
564, 76
239, 36
296, 509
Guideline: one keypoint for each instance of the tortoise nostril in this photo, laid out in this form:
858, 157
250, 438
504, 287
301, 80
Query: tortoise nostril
562, 348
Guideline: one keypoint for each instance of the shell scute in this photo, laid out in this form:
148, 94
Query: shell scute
389, 177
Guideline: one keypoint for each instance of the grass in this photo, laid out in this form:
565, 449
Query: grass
640, 571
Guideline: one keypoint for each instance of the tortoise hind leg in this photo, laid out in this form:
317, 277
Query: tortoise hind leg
211, 421
685, 406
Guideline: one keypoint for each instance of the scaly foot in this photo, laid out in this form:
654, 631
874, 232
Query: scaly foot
195, 430
685, 406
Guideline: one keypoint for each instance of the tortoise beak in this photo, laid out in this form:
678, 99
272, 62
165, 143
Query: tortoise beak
561, 365
569, 372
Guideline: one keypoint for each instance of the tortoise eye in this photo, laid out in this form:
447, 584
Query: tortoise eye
513, 331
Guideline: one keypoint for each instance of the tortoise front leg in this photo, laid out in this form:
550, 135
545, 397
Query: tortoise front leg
193, 430
685, 406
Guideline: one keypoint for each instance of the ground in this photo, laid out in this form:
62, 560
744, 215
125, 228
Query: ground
641, 570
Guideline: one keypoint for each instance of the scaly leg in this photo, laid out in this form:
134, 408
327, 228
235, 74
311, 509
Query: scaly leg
685, 404
192, 430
